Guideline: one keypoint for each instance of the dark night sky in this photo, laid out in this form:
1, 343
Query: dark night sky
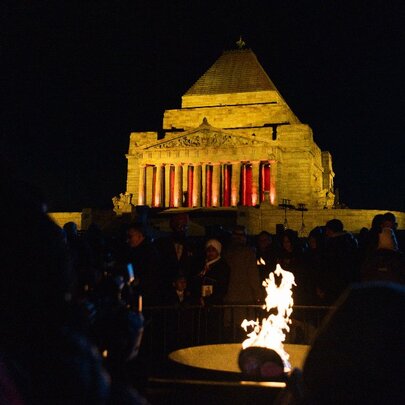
79, 76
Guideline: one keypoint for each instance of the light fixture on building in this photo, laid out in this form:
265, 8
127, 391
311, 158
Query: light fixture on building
286, 205
301, 207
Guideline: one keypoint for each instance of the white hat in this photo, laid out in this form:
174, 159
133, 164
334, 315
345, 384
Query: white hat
215, 244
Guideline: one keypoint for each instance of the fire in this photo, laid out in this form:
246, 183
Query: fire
271, 333
260, 262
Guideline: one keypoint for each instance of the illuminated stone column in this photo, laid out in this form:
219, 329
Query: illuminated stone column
265, 182
235, 186
243, 184
197, 186
184, 185
190, 185
149, 184
167, 188
227, 185
216, 184
142, 185
178, 185
203, 185
255, 182
158, 186
273, 181
208, 185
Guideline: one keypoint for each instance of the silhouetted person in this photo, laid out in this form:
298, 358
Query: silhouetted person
244, 284
175, 251
357, 357
81, 258
340, 262
145, 264
291, 258
369, 241
386, 263
266, 254
47, 357
313, 258
99, 250
117, 329
390, 221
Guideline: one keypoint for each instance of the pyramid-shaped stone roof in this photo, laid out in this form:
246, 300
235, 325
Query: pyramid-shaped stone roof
236, 71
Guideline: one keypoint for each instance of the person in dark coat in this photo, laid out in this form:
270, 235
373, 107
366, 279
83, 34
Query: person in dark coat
145, 265
314, 265
179, 294
244, 283
356, 356
340, 262
266, 254
45, 353
291, 258
175, 251
211, 283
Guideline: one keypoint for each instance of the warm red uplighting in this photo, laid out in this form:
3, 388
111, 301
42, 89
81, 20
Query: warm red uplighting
265, 180
234, 198
227, 185
272, 196
254, 198
154, 186
190, 183
248, 185
208, 186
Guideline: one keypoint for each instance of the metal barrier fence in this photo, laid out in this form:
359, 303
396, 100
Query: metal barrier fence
169, 328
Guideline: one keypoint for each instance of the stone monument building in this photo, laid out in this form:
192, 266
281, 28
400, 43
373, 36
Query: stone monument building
233, 153
233, 143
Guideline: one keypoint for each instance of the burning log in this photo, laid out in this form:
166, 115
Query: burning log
261, 364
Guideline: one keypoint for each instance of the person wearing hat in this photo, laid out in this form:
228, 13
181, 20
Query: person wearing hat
211, 283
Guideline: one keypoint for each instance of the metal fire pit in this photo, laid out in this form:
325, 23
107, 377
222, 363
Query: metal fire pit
224, 357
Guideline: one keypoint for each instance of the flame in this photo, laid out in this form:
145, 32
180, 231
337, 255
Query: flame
271, 333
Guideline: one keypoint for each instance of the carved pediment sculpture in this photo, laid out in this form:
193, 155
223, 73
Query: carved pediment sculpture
206, 138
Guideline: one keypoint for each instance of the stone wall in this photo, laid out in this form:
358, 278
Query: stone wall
232, 98
61, 218
83, 219
229, 116
267, 217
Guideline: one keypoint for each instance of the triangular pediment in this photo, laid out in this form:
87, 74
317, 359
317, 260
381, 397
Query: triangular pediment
206, 136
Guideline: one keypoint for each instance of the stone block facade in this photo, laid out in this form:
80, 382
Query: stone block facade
234, 142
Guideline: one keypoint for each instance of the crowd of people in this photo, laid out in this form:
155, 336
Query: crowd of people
230, 267
63, 292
